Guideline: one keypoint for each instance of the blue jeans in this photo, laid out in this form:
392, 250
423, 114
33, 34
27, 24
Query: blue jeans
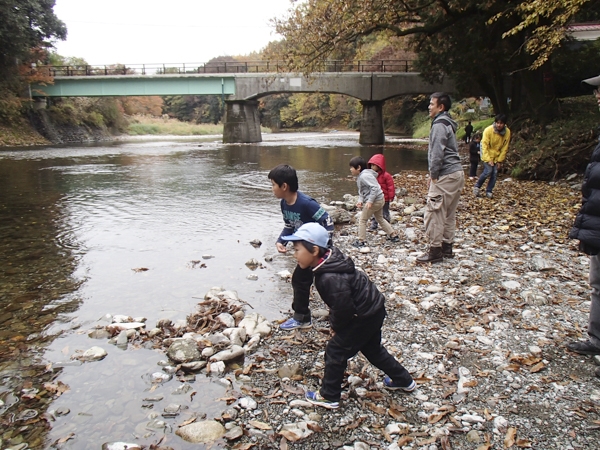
488, 171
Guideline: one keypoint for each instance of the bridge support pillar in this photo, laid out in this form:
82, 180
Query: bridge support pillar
371, 126
242, 123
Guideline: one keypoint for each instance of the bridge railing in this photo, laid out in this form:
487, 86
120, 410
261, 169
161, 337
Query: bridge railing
384, 65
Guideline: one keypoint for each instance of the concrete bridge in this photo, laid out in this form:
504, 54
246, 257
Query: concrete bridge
242, 91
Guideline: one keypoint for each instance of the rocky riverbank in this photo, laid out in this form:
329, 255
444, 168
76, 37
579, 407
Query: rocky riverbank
483, 334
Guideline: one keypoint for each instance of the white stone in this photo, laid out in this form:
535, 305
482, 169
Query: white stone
477, 330
285, 274
511, 284
120, 318
296, 403
472, 418
485, 340
247, 403
474, 290
125, 326
217, 367
535, 350
226, 319
201, 432
234, 352
426, 305
382, 259
93, 354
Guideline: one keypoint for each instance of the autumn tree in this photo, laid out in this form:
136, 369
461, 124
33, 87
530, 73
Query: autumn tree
481, 44
27, 29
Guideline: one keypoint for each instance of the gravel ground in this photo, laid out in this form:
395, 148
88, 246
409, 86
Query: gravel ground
483, 334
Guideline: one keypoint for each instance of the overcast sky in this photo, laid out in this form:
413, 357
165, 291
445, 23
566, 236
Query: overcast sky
165, 31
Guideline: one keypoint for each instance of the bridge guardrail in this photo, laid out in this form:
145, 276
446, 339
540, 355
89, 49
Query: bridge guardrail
384, 65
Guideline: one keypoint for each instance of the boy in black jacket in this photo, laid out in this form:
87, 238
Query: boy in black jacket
356, 313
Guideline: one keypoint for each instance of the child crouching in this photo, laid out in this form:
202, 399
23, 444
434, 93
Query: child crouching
356, 313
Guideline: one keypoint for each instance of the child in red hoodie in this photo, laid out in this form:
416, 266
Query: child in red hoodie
377, 163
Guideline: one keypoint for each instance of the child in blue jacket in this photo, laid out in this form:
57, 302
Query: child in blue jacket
297, 208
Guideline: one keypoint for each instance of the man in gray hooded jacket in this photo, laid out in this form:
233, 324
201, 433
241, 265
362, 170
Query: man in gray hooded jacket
447, 180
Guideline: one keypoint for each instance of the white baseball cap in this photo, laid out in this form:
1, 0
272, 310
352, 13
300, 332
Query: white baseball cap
310, 232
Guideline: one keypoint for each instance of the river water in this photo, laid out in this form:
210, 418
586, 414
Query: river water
75, 221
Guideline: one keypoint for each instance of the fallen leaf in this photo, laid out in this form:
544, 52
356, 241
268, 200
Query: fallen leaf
427, 441
62, 440
445, 443
539, 366
283, 445
260, 425
187, 422
523, 443
314, 427
289, 435
509, 439
485, 446
376, 409
404, 440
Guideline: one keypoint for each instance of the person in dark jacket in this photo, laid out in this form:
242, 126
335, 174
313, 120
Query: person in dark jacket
474, 155
587, 229
356, 313
468, 131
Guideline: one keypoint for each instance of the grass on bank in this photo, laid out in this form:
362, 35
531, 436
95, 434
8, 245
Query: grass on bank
144, 125
422, 124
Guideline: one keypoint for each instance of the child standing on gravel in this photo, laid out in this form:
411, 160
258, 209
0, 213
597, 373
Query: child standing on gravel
370, 192
377, 163
297, 208
356, 313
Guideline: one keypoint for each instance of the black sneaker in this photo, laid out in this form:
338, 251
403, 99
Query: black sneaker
388, 383
393, 239
583, 348
359, 244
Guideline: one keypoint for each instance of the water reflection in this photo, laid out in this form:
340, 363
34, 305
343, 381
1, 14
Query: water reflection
75, 221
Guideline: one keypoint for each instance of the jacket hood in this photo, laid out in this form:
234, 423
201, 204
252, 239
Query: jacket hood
445, 117
336, 263
379, 160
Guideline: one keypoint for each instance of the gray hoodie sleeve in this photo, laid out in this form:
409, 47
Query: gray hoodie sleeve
438, 140
369, 189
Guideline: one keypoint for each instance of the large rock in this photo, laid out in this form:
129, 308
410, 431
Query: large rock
339, 215
201, 432
255, 323
93, 354
230, 354
183, 351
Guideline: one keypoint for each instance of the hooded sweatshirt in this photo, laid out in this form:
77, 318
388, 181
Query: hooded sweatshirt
368, 187
494, 145
348, 292
385, 179
443, 151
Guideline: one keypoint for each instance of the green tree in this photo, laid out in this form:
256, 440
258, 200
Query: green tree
26, 27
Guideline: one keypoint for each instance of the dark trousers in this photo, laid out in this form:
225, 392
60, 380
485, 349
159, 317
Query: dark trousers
362, 335
302, 280
473, 168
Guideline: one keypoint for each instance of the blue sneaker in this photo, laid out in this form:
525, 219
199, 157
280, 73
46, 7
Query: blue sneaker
388, 383
316, 399
292, 324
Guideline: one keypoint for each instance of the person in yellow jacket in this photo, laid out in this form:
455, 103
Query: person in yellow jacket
494, 145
